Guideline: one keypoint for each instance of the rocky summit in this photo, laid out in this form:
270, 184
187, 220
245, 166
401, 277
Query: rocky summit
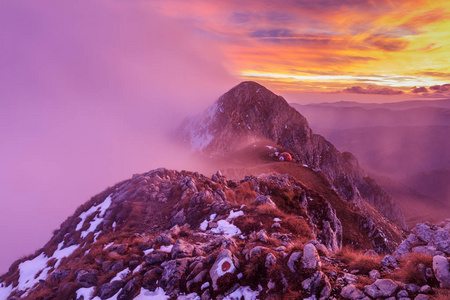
249, 113
288, 217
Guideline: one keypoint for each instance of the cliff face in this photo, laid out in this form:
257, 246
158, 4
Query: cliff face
249, 112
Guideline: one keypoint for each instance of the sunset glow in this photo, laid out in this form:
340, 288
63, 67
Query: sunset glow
326, 45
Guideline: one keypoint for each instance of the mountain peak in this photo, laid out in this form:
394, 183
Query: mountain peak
250, 113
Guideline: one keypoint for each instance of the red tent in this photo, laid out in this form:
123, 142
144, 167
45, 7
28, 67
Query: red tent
285, 157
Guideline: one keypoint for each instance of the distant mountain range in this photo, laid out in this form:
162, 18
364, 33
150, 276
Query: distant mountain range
404, 141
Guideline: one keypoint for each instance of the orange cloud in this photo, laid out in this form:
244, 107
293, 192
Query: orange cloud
405, 40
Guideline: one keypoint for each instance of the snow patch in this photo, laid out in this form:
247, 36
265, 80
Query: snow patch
5, 291
271, 148
243, 292
191, 296
138, 268
225, 228
204, 286
147, 252
212, 217
60, 253
276, 219
235, 214
158, 294
166, 249
29, 269
204, 225
86, 293
121, 275
97, 219
107, 246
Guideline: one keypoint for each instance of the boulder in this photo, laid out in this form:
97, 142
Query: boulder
225, 263
381, 288
421, 297
87, 278
109, 289
412, 288
156, 257
352, 292
350, 278
151, 278
271, 260
256, 251
441, 270
374, 275
389, 262
173, 271
310, 258
181, 249
292, 260
165, 239
266, 200
130, 289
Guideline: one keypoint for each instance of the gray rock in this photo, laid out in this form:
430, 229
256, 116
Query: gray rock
119, 249
310, 258
429, 250
130, 289
350, 278
292, 260
322, 249
151, 278
196, 280
313, 283
256, 251
389, 262
381, 288
87, 278
156, 257
441, 270
374, 275
181, 249
444, 246
425, 289
261, 199
117, 266
225, 263
424, 232
352, 292
178, 219
262, 236
402, 293
109, 289
172, 274
271, 260
412, 288
421, 297
58, 275
371, 253
326, 289
165, 239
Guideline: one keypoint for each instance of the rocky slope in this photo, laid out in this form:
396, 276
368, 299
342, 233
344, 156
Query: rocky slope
249, 113
180, 235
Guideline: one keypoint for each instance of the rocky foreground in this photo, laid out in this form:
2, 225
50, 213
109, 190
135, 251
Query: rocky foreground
181, 235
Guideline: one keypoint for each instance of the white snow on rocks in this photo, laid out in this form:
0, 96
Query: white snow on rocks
243, 292
86, 293
158, 294
147, 252
5, 291
31, 271
121, 275
166, 249
235, 214
226, 229
204, 225
102, 207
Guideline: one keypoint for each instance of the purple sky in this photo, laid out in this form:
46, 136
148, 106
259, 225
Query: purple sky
88, 91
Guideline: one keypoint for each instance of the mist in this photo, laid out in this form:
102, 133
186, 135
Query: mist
90, 92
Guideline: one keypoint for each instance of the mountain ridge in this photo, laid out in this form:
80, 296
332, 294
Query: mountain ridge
226, 126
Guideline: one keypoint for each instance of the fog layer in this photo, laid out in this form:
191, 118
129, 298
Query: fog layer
89, 91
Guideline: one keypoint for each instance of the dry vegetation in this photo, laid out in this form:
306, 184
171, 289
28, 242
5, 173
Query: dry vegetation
412, 268
357, 260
